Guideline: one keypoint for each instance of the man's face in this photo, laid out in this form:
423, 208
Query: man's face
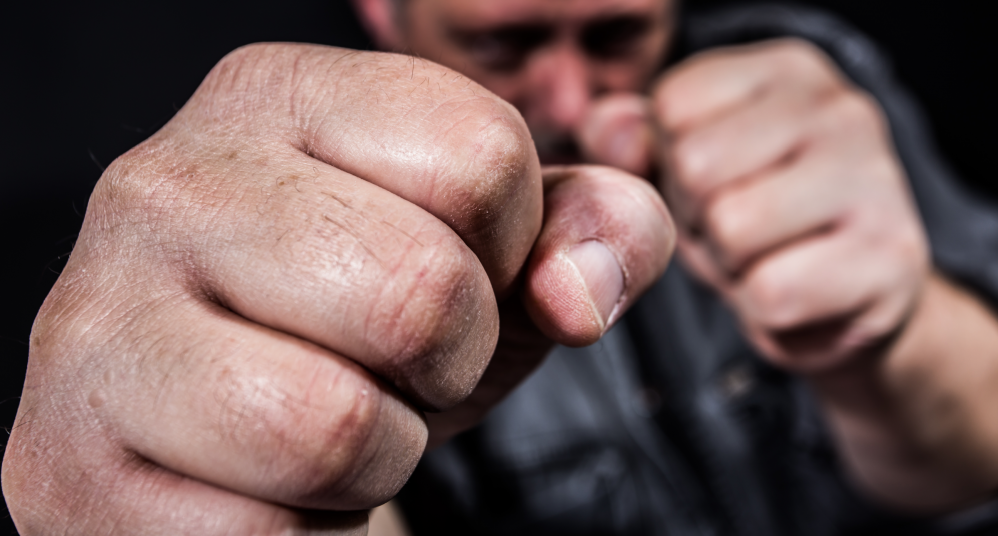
549, 58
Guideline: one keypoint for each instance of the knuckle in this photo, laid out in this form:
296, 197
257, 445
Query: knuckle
855, 111
253, 83
430, 324
430, 335
433, 295
241, 66
318, 448
667, 97
125, 184
344, 444
804, 61
798, 55
905, 242
688, 169
134, 206
771, 298
729, 222
498, 159
118, 188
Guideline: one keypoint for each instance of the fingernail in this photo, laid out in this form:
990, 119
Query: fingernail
602, 275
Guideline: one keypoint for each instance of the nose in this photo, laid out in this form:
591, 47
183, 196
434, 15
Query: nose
563, 89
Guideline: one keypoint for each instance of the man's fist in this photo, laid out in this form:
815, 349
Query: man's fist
789, 197
268, 293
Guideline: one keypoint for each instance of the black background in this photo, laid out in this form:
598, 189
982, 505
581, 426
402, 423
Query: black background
81, 84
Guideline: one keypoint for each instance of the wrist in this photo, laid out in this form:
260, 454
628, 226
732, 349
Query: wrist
912, 420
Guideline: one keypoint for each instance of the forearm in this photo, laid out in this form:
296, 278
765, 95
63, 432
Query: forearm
915, 424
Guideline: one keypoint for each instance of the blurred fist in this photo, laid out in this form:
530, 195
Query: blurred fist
790, 200
268, 294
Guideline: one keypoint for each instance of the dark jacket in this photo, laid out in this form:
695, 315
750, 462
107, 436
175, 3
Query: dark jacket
672, 424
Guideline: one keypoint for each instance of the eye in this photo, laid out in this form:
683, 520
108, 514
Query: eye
616, 37
504, 49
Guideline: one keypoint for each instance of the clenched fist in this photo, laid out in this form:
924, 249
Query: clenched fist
791, 201
269, 293
793, 206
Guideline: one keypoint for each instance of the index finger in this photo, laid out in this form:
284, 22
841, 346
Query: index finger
407, 125
355, 161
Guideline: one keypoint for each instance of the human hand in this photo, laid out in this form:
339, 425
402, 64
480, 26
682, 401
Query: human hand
788, 195
268, 293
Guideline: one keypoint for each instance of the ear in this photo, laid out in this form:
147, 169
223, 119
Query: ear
381, 22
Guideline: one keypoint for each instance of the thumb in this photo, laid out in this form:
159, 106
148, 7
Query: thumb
617, 132
607, 236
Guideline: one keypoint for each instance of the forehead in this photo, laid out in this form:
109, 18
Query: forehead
511, 12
